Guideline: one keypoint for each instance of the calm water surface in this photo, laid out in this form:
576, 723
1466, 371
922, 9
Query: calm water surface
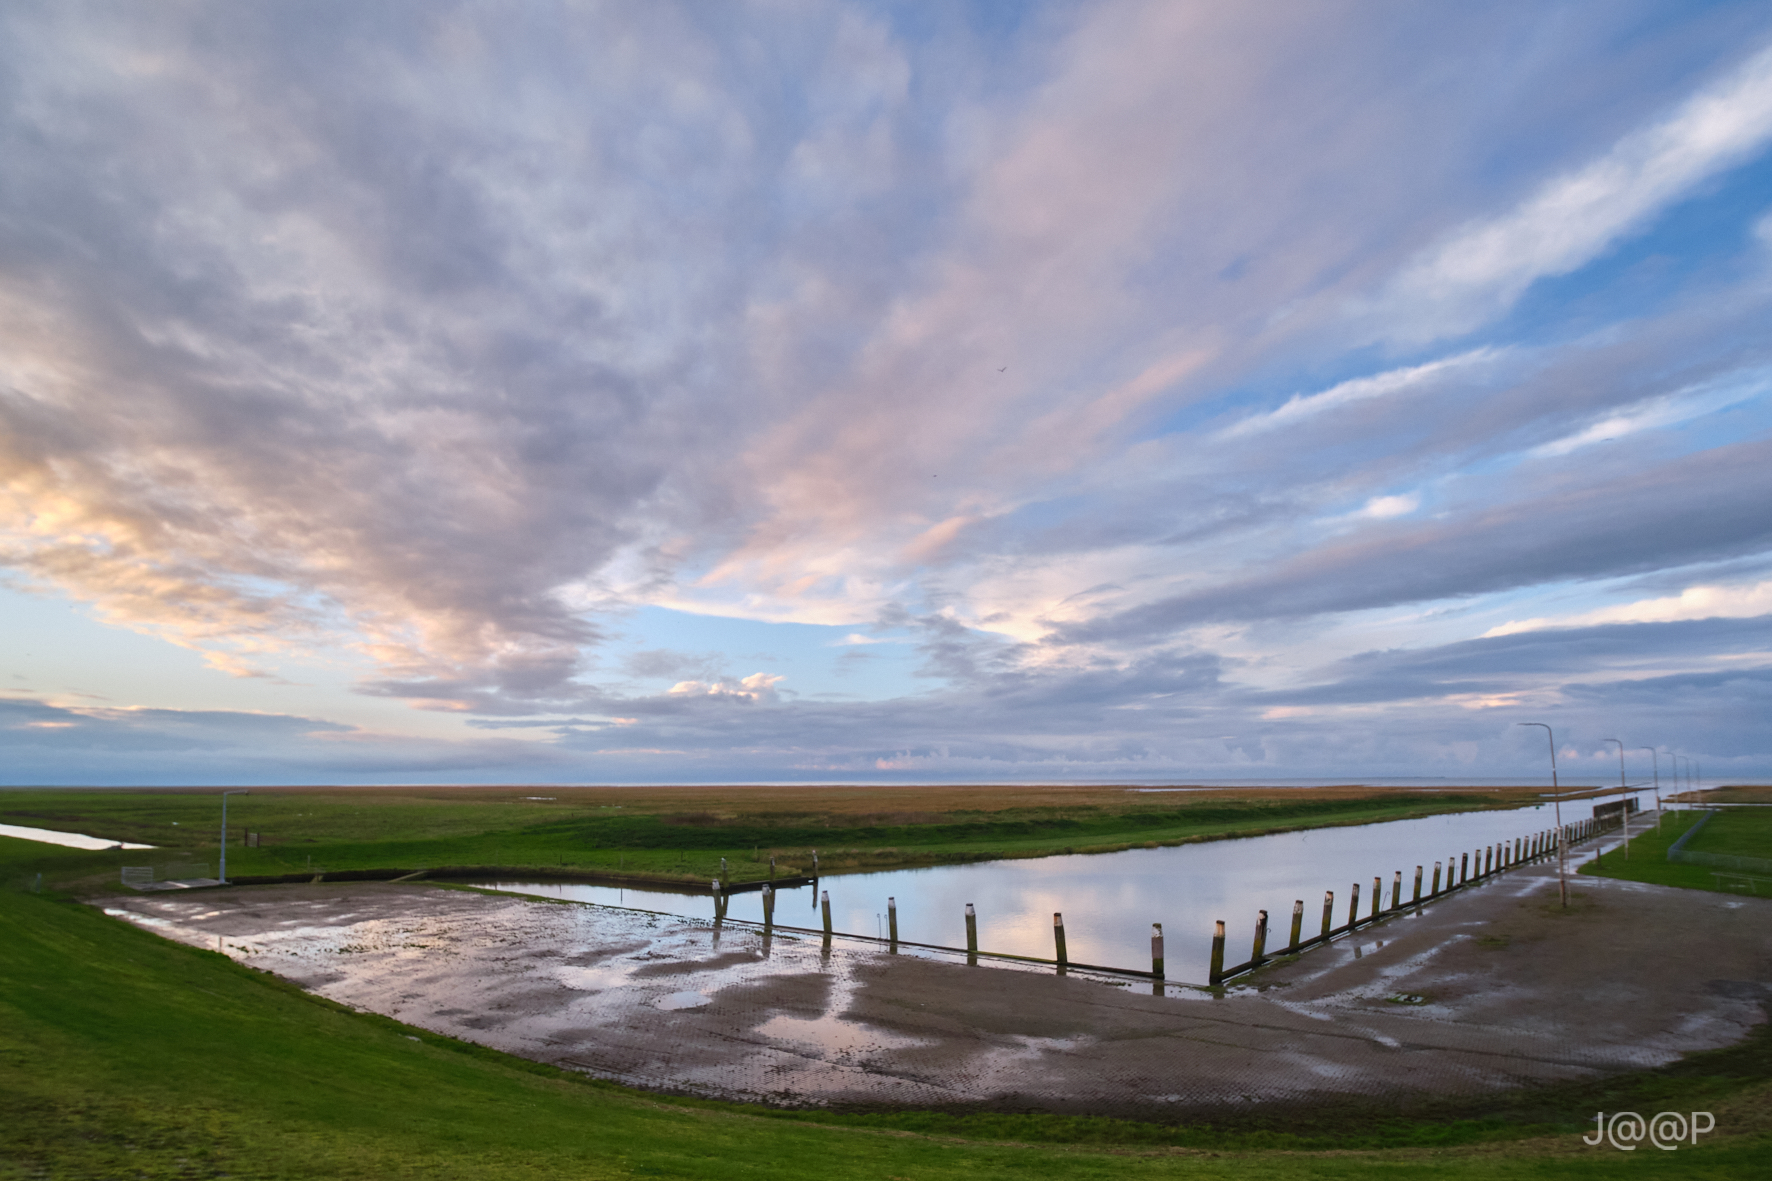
1110, 900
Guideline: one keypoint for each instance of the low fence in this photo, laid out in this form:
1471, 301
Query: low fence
1680, 855
1723, 861
1679, 846
139, 877
1471, 868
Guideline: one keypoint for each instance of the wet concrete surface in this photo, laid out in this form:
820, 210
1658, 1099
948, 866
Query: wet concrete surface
1490, 989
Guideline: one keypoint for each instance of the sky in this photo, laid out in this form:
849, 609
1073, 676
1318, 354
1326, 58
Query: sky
1148, 391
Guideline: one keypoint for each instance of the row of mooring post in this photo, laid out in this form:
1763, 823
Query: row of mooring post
1458, 870
722, 899
1469, 867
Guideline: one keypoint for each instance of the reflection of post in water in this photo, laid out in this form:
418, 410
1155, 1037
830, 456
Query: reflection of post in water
971, 935
892, 925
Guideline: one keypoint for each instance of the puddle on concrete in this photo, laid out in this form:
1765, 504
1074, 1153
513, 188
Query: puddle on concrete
682, 1000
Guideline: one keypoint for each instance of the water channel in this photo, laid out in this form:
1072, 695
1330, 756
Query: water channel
1110, 900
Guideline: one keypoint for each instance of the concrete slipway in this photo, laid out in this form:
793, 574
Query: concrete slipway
1492, 988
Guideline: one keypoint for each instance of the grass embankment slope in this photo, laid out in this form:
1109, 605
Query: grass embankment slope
1737, 832
682, 833
124, 1055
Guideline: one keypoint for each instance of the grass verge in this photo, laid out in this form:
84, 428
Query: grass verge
1743, 832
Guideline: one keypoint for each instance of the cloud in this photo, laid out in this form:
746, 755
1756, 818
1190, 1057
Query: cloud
1484, 267
1695, 602
419, 341
1359, 389
754, 688
1694, 508
1666, 410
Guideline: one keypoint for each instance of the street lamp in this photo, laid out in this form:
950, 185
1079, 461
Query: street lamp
1657, 759
224, 844
1624, 808
1557, 796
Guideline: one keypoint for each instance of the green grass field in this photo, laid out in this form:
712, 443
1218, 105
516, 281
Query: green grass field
661, 837
124, 1055
1740, 832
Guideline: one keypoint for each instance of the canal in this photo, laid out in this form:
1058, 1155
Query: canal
1110, 900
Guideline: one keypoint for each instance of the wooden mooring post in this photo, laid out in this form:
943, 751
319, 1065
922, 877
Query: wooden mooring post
1157, 951
824, 905
1456, 870
971, 935
892, 925
1061, 955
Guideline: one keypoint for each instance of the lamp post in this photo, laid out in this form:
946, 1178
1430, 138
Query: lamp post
1557, 796
1624, 812
1657, 759
224, 844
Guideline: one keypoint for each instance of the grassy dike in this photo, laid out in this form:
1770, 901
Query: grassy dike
124, 1055
682, 837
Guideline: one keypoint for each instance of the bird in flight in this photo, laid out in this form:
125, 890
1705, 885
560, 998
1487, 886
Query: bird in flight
1001, 370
